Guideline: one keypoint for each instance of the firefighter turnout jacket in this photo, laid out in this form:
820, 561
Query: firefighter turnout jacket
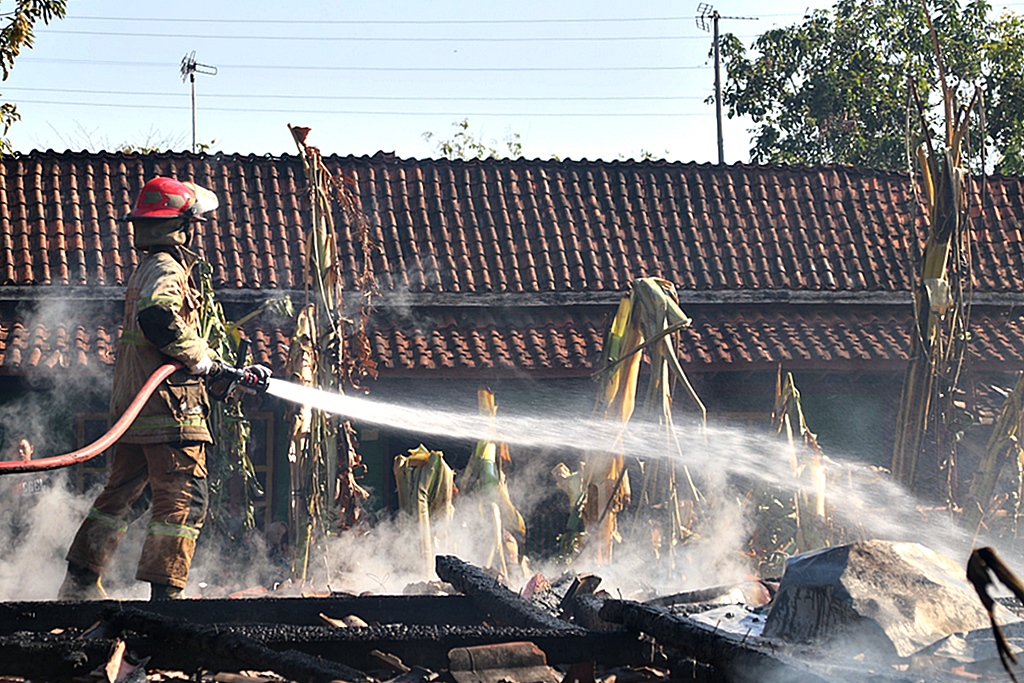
161, 321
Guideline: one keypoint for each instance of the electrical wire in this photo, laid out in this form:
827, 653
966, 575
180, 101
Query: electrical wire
414, 69
381, 39
360, 112
382, 98
404, 22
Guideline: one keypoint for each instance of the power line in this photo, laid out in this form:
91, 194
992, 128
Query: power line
371, 39
249, 110
454, 69
384, 98
403, 22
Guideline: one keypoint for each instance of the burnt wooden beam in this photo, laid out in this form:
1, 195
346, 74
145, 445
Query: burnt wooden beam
739, 662
231, 646
49, 657
586, 612
493, 598
428, 646
457, 610
65, 657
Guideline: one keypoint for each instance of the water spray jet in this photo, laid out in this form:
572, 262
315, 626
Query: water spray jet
880, 508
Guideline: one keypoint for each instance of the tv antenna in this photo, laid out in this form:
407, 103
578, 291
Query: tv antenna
707, 19
189, 68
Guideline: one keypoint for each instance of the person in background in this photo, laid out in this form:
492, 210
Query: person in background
22, 492
24, 449
164, 447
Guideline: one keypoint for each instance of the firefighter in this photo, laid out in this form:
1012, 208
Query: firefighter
162, 453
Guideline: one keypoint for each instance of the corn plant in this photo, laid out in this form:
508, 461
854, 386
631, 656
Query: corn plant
484, 476
790, 521
648, 321
796, 518
1004, 445
426, 488
924, 452
322, 450
805, 462
228, 456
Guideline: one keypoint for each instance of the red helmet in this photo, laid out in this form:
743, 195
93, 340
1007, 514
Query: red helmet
164, 198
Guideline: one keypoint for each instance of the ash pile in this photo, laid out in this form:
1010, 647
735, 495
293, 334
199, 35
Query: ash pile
870, 611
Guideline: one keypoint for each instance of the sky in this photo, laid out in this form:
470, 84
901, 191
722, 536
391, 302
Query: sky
573, 79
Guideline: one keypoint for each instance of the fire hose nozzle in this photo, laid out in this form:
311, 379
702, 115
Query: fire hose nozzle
224, 379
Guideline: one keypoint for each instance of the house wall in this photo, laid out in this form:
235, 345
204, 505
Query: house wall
49, 411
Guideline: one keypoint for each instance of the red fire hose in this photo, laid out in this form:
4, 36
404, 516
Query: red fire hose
104, 442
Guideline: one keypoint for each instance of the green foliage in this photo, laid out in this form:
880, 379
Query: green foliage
16, 34
643, 155
1004, 111
228, 457
834, 87
465, 145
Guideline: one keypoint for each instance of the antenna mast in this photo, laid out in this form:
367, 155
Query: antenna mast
704, 13
189, 69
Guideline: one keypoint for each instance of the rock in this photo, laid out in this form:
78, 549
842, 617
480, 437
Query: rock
887, 598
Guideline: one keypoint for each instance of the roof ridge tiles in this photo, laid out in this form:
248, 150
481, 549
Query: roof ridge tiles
614, 220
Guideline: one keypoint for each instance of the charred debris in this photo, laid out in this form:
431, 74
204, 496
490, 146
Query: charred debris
870, 611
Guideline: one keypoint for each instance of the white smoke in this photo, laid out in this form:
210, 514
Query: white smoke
724, 462
40, 516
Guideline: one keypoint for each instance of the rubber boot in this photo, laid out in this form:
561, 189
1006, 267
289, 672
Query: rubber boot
81, 584
162, 591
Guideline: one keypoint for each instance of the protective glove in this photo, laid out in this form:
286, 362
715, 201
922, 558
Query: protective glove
255, 379
203, 367
224, 379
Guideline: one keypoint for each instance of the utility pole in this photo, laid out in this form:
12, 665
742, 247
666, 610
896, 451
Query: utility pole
189, 69
704, 13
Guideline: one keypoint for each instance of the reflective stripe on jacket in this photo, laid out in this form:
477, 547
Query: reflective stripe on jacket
178, 410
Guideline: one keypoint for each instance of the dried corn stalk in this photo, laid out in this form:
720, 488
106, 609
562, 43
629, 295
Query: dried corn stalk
797, 519
1004, 445
648, 321
924, 455
805, 460
325, 494
426, 488
484, 476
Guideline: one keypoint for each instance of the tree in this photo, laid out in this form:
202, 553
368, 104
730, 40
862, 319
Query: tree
17, 33
834, 87
465, 145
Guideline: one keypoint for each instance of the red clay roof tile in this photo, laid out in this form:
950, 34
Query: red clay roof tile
492, 227
455, 226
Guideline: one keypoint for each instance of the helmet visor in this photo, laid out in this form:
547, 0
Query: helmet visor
206, 200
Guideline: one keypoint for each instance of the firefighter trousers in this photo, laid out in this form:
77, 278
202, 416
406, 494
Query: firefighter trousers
176, 477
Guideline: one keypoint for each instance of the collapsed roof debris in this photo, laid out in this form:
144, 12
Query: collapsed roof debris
492, 634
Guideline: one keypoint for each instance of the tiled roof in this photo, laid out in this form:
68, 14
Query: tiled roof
553, 342
505, 226
531, 235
